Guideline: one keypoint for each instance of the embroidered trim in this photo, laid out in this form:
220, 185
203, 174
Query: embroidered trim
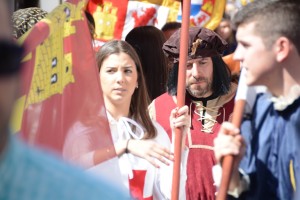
281, 102
197, 146
292, 175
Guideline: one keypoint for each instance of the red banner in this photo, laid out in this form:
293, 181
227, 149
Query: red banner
115, 18
62, 107
109, 16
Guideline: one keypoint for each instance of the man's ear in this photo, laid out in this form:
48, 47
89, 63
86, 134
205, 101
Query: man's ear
282, 48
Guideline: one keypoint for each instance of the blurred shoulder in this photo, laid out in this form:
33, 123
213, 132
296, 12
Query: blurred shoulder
52, 178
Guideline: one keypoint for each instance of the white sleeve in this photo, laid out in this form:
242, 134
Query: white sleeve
248, 93
236, 192
183, 175
151, 110
163, 182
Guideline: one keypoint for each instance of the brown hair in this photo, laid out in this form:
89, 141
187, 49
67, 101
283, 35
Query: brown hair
140, 99
147, 42
272, 19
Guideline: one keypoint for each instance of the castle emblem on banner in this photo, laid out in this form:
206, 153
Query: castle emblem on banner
105, 21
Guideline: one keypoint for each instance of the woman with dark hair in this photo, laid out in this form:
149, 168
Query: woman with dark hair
133, 132
147, 42
227, 33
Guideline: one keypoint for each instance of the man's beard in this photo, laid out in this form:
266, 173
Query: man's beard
200, 92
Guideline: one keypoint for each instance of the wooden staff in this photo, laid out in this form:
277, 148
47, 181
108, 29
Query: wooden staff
229, 159
184, 38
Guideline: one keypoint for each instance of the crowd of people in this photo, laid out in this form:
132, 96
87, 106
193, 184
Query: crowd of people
138, 81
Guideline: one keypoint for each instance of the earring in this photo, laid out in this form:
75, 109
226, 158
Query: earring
137, 86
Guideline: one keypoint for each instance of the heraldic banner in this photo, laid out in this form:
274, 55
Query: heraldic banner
61, 108
114, 18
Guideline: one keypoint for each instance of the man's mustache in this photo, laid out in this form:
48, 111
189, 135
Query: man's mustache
200, 79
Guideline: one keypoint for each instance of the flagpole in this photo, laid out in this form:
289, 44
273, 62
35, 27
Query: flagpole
184, 38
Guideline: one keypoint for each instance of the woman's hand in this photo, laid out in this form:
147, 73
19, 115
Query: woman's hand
150, 150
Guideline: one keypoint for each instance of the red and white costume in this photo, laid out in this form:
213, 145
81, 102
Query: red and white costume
141, 177
206, 117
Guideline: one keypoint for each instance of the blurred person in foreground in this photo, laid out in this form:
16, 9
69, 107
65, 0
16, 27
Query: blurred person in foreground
267, 161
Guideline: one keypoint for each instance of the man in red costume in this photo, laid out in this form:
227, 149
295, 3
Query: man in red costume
210, 97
